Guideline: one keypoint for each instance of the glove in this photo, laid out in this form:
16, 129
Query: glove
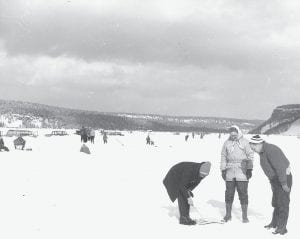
190, 201
190, 193
224, 174
249, 173
286, 188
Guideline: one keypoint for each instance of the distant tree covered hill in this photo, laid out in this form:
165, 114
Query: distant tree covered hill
25, 114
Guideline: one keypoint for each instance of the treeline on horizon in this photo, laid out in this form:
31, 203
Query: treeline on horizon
58, 117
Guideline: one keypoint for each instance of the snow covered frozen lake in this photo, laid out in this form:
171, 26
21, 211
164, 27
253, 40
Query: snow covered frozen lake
54, 191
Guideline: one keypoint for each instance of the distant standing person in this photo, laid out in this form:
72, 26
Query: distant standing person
276, 166
148, 140
92, 135
89, 137
84, 135
236, 168
180, 181
186, 137
2, 146
104, 138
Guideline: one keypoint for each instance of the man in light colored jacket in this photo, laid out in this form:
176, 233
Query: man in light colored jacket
236, 167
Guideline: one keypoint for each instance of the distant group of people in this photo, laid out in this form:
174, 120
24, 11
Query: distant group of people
236, 170
19, 142
202, 134
87, 134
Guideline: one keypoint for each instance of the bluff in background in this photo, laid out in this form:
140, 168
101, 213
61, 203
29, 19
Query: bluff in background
285, 120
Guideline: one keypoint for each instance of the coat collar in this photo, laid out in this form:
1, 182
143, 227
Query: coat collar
263, 148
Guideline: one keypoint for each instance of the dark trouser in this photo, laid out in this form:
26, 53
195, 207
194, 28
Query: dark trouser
92, 139
280, 202
184, 207
84, 138
242, 188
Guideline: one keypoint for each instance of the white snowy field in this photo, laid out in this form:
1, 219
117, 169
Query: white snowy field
54, 191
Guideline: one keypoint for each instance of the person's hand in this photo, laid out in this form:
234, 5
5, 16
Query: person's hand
190, 201
224, 174
249, 173
286, 188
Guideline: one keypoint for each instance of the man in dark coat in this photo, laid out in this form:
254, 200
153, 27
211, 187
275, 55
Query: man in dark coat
180, 181
277, 168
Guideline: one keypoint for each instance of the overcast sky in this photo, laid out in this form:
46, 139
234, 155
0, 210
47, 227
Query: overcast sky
192, 57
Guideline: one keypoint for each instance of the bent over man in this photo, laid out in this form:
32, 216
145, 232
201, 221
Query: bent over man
180, 181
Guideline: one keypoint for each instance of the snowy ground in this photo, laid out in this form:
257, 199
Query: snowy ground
54, 191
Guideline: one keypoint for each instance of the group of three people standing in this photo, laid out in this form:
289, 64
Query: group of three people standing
236, 167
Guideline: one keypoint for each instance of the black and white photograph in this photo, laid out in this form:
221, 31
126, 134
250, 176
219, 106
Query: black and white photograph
149, 119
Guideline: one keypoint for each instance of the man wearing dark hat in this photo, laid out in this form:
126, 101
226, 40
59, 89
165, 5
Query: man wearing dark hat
236, 167
180, 181
277, 168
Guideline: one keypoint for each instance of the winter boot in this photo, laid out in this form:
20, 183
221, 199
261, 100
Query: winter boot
270, 225
273, 223
244, 213
281, 231
228, 212
186, 221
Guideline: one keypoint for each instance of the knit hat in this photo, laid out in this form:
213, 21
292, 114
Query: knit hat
256, 139
205, 168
